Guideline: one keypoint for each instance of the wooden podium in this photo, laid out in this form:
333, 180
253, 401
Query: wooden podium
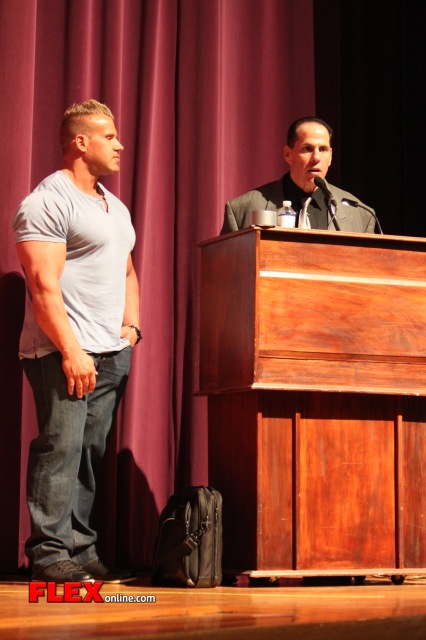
313, 357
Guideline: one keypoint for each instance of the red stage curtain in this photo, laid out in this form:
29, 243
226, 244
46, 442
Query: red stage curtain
203, 92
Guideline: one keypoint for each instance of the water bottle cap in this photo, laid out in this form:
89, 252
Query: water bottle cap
286, 203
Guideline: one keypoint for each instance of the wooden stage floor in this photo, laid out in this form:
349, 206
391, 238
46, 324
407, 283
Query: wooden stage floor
376, 609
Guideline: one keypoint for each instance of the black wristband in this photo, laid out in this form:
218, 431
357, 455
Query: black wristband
138, 333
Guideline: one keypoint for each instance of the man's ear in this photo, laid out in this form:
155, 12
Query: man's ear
287, 154
81, 142
331, 156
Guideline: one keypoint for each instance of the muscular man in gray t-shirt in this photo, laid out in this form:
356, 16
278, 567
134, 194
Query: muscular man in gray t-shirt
74, 241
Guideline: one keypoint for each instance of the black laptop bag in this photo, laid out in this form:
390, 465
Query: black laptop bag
189, 545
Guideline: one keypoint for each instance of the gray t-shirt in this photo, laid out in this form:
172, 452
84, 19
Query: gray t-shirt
94, 276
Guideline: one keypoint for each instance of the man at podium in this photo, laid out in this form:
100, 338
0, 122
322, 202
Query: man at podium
319, 205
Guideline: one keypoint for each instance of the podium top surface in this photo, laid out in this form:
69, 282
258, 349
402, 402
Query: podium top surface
318, 235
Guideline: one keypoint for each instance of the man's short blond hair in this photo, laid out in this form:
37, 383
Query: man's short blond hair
77, 119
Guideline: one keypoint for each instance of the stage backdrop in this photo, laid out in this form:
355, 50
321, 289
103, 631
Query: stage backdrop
202, 92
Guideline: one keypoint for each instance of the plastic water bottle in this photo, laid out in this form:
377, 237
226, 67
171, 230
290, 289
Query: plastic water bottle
286, 216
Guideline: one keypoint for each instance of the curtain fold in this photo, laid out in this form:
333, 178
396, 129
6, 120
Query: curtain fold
202, 92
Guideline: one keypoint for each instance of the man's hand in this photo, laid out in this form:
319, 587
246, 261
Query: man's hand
130, 334
80, 372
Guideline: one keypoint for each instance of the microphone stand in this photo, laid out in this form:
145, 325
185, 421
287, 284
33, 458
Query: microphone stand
331, 208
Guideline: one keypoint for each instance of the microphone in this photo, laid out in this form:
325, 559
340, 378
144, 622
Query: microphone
332, 204
320, 183
355, 203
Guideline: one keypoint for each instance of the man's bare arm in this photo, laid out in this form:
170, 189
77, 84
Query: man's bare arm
131, 310
43, 263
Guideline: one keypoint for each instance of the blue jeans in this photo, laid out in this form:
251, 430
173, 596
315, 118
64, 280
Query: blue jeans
66, 454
